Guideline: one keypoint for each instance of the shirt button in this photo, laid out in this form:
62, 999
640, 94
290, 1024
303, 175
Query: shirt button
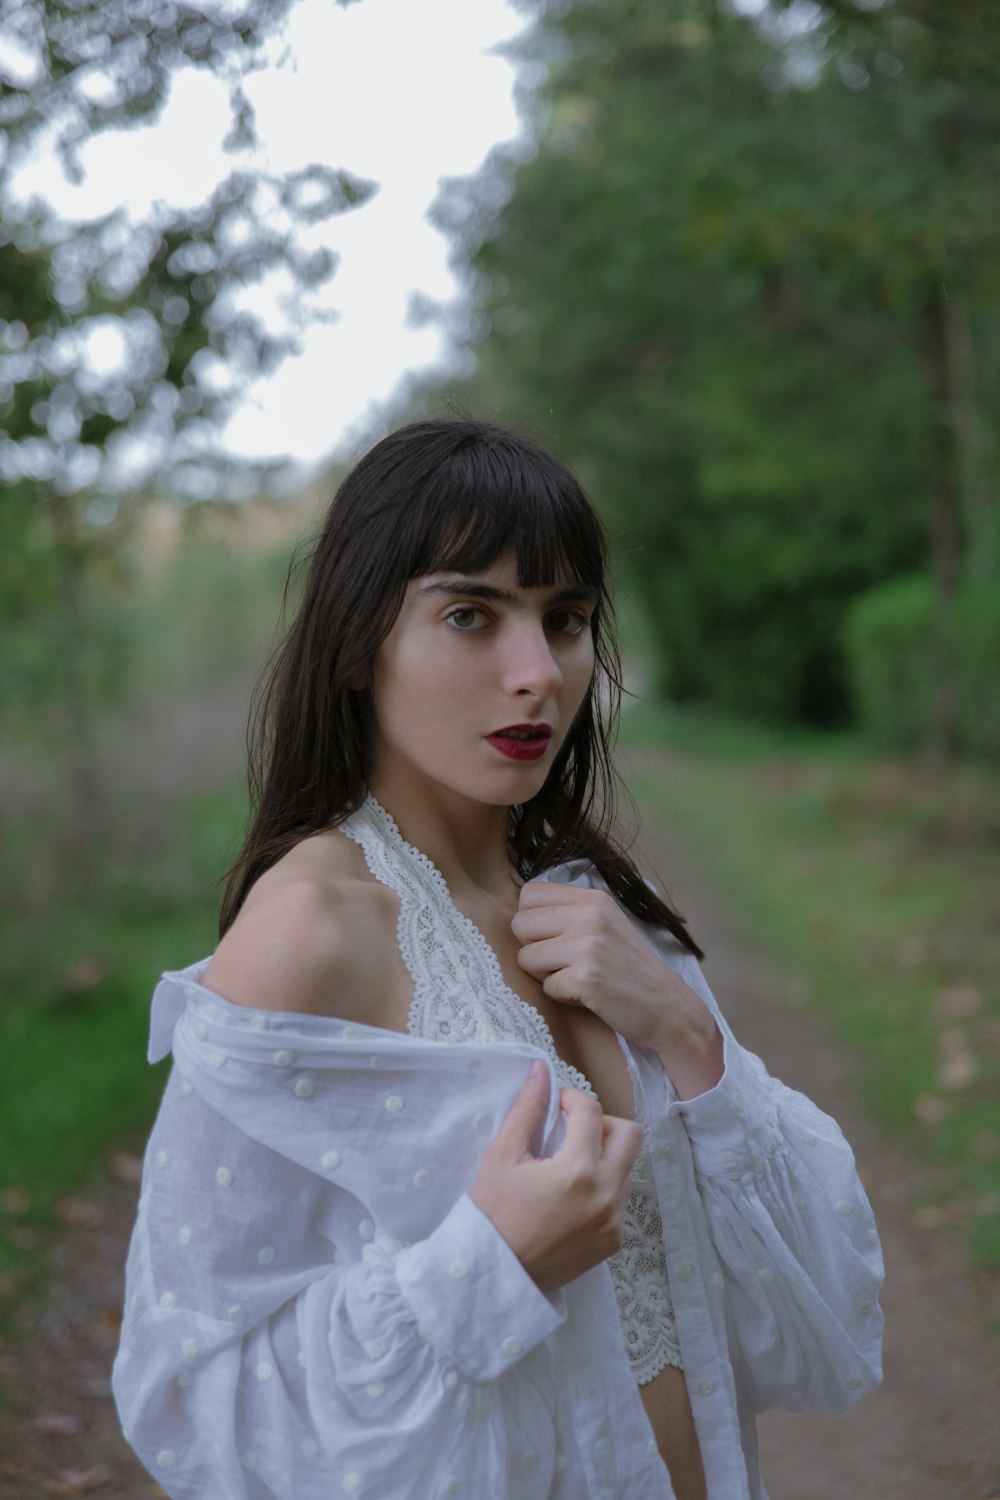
686, 1272
482, 1124
458, 1269
844, 1208
706, 1387
511, 1345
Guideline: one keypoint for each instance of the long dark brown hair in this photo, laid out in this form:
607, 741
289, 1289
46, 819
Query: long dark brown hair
434, 496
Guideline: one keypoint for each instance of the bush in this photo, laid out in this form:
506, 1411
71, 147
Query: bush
890, 640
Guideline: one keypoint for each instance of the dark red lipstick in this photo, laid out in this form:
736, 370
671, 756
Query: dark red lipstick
522, 741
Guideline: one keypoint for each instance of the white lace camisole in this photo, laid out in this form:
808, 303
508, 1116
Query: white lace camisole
460, 995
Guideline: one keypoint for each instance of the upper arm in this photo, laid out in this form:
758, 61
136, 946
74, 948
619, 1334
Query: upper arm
289, 950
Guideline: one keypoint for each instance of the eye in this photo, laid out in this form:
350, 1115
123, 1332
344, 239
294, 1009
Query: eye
568, 622
464, 618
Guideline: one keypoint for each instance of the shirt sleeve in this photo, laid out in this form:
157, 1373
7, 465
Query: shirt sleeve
799, 1260
264, 1355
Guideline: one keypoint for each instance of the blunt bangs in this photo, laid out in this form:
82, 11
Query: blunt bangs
491, 494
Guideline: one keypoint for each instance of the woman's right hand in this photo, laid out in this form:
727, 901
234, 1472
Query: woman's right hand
560, 1214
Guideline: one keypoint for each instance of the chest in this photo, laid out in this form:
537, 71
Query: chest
581, 1038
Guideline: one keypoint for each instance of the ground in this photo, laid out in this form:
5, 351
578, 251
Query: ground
931, 1433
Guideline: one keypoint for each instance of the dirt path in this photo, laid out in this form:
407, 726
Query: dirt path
931, 1433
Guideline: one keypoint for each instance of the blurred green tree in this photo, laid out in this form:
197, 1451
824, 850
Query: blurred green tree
720, 285
123, 342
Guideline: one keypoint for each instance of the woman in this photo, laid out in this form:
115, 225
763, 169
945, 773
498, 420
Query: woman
461, 1185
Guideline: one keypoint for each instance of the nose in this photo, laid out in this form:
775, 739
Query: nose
530, 669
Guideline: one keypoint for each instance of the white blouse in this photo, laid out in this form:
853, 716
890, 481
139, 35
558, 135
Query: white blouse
315, 1306
460, 994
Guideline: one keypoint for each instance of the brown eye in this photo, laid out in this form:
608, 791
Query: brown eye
568, 622
464, 619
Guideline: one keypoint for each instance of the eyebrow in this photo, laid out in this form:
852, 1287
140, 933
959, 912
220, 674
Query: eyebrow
474, 588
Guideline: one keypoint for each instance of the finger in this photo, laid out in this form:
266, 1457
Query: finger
584, 1118
543, 957
513, 1138
622, 1139
540, 922
551, 893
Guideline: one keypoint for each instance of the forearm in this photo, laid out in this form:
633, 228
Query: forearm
692, 1055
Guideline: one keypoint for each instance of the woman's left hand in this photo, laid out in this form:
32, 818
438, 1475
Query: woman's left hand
584, 950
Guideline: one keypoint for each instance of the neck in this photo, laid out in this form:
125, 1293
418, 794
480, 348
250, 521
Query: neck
465, 839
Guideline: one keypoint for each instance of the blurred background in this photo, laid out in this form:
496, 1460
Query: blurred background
736, 261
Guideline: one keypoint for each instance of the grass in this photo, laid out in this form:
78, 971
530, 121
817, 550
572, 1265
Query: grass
73, 1077
876, 886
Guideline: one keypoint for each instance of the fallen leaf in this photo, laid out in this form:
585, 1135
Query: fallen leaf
962, 999
958, 1065
79, 1213
109, 1320
125, 1167
931, 1109
54, 1424
72, 1482
82, 975
911, 952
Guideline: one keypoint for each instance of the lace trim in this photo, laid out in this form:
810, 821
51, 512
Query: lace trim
460, 995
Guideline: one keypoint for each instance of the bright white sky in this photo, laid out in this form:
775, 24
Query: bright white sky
399, 91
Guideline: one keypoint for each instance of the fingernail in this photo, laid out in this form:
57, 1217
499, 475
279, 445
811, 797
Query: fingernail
536, 1070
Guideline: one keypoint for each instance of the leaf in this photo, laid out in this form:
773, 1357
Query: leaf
54, 1424
71, 1482
79, 1213
125, 1167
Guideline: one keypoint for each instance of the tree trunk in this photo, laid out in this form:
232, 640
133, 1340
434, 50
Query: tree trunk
77, 723
945, 531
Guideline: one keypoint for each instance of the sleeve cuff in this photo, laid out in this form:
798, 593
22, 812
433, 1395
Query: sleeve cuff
734, 1123
472, 1298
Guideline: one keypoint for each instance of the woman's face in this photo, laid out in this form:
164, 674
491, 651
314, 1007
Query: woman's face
478, 682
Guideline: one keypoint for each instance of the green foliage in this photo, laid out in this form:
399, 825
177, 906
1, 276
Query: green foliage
977, 670
891, 635
73, 1077
715, 285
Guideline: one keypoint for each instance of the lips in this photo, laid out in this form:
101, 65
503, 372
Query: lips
522, 741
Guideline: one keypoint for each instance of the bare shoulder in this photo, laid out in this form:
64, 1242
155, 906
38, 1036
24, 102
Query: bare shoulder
316, 934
